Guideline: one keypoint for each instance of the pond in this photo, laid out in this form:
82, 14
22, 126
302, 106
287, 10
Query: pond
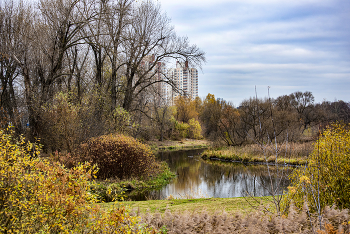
198, 178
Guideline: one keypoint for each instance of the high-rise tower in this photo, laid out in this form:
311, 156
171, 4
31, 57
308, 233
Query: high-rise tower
185, 79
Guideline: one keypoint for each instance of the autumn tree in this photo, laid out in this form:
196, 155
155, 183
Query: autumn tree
185, 109
210, 115
150, 38
94, 52
117, 17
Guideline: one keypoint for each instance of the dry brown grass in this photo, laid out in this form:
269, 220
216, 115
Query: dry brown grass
334, 221
173, 145
293, 153
292, 150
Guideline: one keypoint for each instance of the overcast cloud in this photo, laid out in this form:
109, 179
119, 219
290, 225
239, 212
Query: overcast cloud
288, 45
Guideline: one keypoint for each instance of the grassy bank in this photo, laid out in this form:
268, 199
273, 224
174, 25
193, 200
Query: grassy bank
294, 154
177, 145
210, 205
106, 190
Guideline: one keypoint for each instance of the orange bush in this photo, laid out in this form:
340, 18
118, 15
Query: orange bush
117, 156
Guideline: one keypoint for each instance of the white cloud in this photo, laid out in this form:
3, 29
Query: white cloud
211, 3
289, 45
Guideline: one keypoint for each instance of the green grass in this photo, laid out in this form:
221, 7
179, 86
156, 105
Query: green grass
211, 205
108, 189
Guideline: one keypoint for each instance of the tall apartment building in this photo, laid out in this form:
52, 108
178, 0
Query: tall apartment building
158, 75
185, 79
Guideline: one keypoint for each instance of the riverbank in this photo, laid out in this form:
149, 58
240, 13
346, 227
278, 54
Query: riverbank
294, 154
108, 190
177, 145
256, 159
210, 205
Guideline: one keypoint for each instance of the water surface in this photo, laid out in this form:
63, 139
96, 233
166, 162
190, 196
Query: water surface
205, 178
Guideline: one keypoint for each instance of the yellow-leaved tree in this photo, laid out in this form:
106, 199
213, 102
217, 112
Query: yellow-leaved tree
326, 178
195, 129
42, 196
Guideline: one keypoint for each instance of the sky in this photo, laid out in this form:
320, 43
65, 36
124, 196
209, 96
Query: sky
289, 46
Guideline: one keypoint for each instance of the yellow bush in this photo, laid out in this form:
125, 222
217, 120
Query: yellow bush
326, 179
38, 196
195, 130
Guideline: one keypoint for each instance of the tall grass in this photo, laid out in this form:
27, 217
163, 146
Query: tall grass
293, 153
335, 221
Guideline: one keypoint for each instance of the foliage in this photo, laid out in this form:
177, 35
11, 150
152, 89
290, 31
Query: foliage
259, 120
185, 109
111, 190
117, 156
210, 117
65, 123
60, 123
38, 196
107, 192
185, 119
325, 180
180, 129
122, 121
195, 130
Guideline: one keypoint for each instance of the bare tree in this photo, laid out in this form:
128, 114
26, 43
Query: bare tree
303, 104
52, 31
14, 22
104, 53
150, 38
116, 17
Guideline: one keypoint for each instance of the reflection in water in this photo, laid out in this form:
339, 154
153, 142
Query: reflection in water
199, 178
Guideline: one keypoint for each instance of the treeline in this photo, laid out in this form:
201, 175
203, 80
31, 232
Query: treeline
261, 120
67, 65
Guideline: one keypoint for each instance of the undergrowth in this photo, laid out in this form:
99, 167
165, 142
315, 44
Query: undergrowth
41, 196
114, 189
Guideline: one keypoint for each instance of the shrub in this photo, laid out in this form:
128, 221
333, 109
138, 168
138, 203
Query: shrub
39, 196
195, 130
325, 180
60, 123
122, 122
107, 191
180, 130
117, 156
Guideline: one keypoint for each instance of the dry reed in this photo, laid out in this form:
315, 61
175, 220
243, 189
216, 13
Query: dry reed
293, 153
334, 221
